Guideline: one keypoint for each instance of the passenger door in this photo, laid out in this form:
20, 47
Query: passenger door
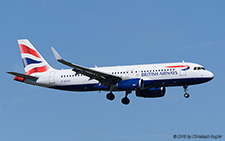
52, 77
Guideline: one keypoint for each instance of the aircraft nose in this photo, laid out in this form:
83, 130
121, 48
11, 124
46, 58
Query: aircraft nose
210, 75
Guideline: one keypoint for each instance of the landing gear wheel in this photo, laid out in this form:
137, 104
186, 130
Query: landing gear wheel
110, 96
186, 95
125, 101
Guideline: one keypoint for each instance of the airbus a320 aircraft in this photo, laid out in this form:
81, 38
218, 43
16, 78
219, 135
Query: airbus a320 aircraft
148, 81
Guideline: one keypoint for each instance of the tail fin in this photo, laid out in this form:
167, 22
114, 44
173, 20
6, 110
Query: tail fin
32, 60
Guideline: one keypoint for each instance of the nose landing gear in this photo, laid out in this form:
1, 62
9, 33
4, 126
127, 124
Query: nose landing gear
186, 95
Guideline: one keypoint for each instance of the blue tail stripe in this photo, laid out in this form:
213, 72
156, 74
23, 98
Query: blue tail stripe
28, 61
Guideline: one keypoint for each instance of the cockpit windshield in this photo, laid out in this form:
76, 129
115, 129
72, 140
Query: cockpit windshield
199, 68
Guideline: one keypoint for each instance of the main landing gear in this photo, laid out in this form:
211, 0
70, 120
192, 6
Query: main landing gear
110, 96
186, 95
126, 100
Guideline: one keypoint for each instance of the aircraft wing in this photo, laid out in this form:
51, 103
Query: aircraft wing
102, 77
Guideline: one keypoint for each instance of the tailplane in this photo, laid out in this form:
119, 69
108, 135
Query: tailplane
22, 77
32, 60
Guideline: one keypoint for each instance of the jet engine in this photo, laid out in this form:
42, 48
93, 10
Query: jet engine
151, 92
130, 84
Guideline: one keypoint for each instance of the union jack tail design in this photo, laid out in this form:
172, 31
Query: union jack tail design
32, 60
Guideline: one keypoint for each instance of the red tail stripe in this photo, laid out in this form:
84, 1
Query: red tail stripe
37, 69
178, 66
26, 49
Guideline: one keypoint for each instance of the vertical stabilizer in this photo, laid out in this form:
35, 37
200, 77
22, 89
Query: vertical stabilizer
32, 60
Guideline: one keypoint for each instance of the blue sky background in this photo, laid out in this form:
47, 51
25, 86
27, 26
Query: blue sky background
107, 33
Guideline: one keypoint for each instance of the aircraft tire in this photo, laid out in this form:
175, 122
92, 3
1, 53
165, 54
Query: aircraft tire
186, 95
110, 96
125, 101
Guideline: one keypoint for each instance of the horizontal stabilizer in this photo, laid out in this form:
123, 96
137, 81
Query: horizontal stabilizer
23, 75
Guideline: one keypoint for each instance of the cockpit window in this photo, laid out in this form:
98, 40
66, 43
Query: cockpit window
199, 68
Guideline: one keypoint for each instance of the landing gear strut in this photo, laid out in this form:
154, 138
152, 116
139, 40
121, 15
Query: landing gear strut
126, 100
110, 96
186, 95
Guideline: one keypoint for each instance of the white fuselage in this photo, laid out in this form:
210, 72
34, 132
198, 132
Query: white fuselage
153, 75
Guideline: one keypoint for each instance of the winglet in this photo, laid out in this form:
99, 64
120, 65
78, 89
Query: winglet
57, 56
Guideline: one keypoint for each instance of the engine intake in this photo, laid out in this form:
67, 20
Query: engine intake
151, 92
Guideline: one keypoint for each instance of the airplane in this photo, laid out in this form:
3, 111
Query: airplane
148, 80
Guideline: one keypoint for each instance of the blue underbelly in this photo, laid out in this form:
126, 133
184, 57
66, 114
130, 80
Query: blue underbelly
147, 83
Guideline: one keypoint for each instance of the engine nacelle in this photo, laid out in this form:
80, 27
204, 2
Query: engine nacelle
130, 84
151, 92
